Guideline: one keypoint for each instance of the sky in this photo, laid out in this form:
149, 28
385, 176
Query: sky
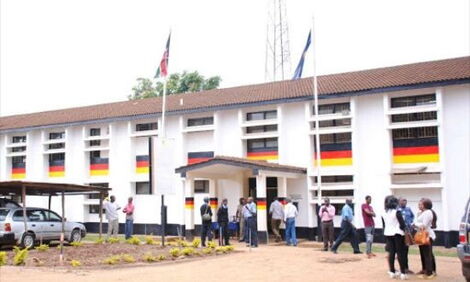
61, 53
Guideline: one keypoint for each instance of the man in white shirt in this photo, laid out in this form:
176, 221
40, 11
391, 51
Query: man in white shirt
276, 210
290, 213
111, 208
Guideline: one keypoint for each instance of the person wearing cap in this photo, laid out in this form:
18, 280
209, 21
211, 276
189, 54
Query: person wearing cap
290, 213
206, 218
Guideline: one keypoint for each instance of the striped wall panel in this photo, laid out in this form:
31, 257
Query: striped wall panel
189, 203
335, 154
263, 154
261, 203
57, 168
418, 150
99, 166
197, 157
18, 170
214, 203
142, 164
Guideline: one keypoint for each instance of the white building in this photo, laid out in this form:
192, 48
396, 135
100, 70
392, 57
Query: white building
402, 130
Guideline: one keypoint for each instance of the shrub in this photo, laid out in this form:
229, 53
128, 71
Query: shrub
133, 240
127, 258
230, 248
112, 260
207, 251
175, 252
187, 251
76, 244
148, 257
20, 256
221, 250
75, 263
150, 241
3, 258
211, 244
42, 248
99, 241
196, 242
182, 243
161, 257
113, 240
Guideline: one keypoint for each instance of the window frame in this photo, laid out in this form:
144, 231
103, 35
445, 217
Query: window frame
413, 101
149, 192
147, 126
265, 115
201, 121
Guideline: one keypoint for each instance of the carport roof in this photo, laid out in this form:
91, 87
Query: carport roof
241, 162
46, 188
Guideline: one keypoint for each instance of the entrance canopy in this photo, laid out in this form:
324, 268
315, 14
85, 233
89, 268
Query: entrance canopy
46, 188
227, 165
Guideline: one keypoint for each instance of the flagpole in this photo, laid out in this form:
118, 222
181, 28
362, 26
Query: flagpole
163, 131
316, 116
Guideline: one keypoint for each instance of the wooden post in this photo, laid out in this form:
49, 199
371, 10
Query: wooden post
62, 234
23, 197
50, 200
101, 214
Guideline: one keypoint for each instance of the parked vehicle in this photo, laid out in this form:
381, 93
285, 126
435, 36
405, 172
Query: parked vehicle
463, 249
42, 225
7, 203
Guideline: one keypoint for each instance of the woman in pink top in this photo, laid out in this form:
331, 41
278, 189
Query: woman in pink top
129, 211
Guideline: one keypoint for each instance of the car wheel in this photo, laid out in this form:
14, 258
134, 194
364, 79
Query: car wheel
76, 236
28, 240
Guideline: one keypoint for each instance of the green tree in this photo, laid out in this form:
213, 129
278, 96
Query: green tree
185, 82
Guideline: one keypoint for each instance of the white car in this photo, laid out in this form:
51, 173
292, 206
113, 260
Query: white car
42, 225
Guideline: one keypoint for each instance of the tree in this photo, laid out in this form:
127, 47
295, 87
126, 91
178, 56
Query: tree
185, 82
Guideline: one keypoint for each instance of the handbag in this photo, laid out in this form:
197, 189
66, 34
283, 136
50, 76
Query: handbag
206, 216
422, 237
409, 240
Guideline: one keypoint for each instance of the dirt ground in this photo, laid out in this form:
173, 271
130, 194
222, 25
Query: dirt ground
266, 263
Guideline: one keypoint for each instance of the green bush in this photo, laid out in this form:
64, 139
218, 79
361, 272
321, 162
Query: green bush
187, 252
99, 241
3, 258
230, 248
42, 248
20, 256
75, 263
196, 242
221, 250
113, 240
161, 257
112, 260
133, 241
175, 252
127, 258
211, 244
207, 251
182, 243
150, 241
76, 244
148, 257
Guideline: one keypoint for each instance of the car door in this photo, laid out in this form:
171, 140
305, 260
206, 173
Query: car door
53, 224
35, 222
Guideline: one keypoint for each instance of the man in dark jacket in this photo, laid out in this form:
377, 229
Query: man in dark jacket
206, 216
222, 219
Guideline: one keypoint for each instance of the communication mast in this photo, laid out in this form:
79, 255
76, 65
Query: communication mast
278, 65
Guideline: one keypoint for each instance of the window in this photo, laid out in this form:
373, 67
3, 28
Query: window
56, 146
201, 186
95, 131
94, 209
335, 193
3, 214
56, 135
413, 101
21, 160
335, 138
95, 155
412, 133
95, 143
333, 122
414, 117
261, 115
18, 139
200, 121
146, 126
56, 157
335, 179
333, 108
97, 195
52, 216
262, 128
32, 215
263, 143
18, 149
143, 188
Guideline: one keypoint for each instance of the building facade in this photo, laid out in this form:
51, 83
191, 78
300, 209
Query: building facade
402, 130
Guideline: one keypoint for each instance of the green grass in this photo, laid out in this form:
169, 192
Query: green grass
380, 248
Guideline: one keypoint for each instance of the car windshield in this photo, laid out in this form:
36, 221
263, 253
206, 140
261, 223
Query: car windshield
3, 214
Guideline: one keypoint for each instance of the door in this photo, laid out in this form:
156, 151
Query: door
35, 222
53, 225
271, 193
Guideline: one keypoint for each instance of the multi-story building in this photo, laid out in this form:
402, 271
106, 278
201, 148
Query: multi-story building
402, 130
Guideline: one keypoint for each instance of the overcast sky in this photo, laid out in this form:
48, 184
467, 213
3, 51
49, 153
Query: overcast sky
57, 54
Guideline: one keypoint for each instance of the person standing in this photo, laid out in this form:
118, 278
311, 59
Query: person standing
426, 220
394, 227
129, 211
290, 213
408, 217
241, 220
276, 210
206, 218
222, 219
111, 209
249, 213
347, 229
327, 214
368, 215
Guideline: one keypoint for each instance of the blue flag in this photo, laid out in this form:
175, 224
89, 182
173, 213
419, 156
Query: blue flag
300, 66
